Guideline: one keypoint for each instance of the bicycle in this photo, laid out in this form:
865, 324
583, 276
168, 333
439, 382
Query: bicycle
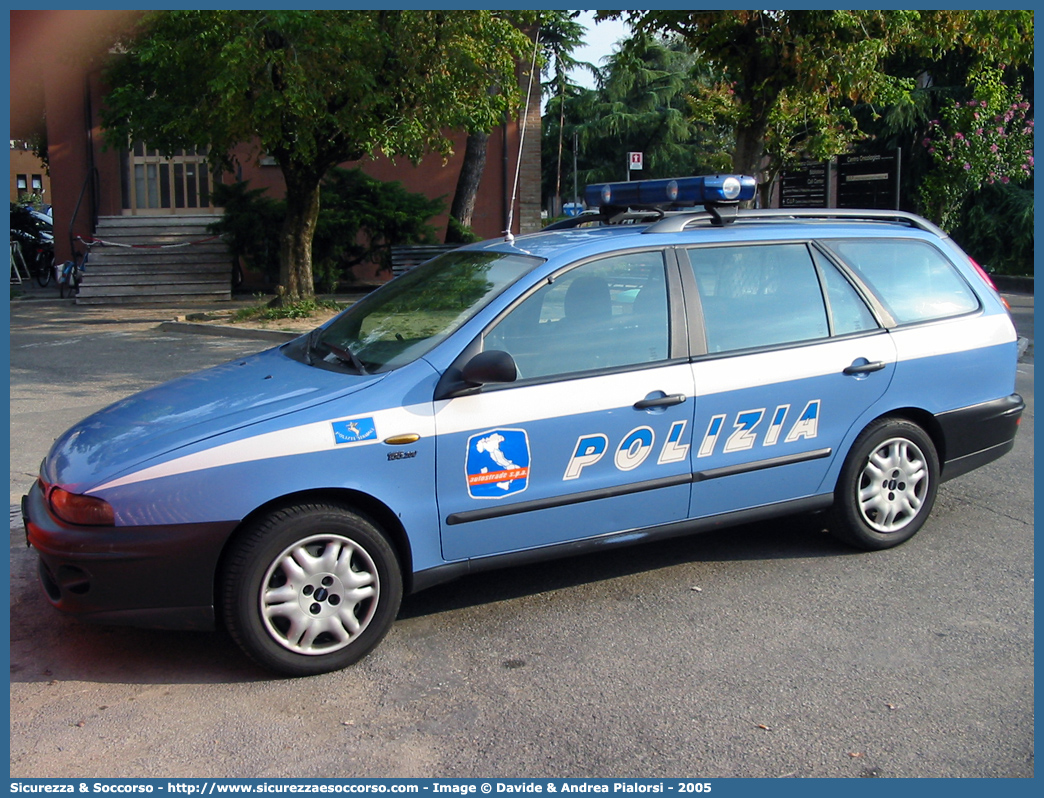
43, 264
71, 274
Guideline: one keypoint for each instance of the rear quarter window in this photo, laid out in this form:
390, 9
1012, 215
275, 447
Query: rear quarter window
912, 279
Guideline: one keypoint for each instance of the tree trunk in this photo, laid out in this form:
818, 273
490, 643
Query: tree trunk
295, 243
463, 207
749, 155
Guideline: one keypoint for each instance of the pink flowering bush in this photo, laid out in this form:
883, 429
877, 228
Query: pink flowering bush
982, 141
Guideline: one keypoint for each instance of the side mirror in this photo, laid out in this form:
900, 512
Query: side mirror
492, 366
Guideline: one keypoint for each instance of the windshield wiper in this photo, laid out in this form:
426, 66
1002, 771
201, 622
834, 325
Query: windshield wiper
310, 345
345, 356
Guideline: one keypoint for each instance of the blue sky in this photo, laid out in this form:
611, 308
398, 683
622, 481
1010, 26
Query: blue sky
600, 40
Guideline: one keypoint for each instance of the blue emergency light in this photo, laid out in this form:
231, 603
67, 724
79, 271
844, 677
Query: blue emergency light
679, 192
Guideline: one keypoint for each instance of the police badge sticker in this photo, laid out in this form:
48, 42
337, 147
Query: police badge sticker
355, 430
497, 463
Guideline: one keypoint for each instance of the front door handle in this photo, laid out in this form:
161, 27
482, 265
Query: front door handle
864, 368
663, 401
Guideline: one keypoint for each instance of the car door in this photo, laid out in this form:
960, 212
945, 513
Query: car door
793, 356
594, 435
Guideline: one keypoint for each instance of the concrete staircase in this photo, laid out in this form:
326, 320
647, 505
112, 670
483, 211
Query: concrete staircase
170, 259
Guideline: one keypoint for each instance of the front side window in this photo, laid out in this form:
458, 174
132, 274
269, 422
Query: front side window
758, 295
409, 316
912, 279
608, 313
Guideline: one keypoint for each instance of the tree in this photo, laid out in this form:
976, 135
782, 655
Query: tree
362, 218
311, 90
642, 104
982, 141
789, 79
462, 209
560, 35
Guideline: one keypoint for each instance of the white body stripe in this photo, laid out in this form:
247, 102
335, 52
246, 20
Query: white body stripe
741, 371
594, 394
956, 335
559, 399
305, 439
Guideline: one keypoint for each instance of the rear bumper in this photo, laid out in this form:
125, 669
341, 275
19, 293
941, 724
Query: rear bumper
979, 434
161, 577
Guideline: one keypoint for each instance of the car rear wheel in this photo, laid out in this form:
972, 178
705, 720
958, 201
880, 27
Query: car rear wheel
887, 486
310, 589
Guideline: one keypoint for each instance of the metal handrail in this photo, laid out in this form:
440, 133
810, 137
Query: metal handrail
92, 173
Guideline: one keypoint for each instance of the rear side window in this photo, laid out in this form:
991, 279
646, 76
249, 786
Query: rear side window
912, 279
760, 295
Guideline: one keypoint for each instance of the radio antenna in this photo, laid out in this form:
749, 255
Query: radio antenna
521, 139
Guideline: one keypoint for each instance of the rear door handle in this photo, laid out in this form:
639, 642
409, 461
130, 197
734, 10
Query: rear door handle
663, 401
865, 368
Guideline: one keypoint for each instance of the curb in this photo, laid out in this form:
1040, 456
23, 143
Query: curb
280, 336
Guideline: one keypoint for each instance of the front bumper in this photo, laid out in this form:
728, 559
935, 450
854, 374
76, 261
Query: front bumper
161, 577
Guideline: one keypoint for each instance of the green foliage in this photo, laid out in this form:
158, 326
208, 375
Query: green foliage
301, 309
250, 225
560, 35
642, 104
362, 218
786, 82
981, 141
461, 234
996, 228
312, 89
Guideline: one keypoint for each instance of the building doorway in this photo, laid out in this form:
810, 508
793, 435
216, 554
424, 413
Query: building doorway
153, 184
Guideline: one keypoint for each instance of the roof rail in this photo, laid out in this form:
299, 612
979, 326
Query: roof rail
610, 214
675, 223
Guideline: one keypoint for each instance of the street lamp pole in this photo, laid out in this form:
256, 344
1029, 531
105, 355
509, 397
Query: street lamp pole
576, 194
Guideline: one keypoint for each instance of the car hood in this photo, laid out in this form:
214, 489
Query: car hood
190, 409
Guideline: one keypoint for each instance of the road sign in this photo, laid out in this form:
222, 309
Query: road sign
634, 160
804, 185
868, 181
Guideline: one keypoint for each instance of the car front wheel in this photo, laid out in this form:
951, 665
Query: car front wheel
310, 589
887, 486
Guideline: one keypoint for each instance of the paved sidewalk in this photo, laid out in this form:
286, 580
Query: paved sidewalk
215, 318
204, 317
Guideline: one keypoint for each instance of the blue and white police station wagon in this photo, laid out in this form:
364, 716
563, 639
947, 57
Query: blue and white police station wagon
622, 376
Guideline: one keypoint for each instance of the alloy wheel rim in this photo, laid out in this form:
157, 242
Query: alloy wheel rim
893, 485
319, 594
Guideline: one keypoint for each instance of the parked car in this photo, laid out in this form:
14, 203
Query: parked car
649, 374
33, 230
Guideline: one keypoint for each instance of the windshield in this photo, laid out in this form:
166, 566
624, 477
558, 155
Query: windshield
406, 318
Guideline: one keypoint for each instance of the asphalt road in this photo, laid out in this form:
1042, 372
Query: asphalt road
761, 651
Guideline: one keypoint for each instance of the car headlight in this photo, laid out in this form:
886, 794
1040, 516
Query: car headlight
75, 508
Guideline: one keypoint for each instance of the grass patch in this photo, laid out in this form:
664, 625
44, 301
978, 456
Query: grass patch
303, 309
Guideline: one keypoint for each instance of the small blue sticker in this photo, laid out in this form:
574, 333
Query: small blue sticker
355, 430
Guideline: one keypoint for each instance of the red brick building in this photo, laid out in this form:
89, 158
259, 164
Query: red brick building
56, 83
28, 174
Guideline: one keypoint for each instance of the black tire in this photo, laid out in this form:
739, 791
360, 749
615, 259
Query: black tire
887, 486
45, 268
310, 589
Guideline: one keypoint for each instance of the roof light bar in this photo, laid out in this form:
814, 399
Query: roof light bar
680, 192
